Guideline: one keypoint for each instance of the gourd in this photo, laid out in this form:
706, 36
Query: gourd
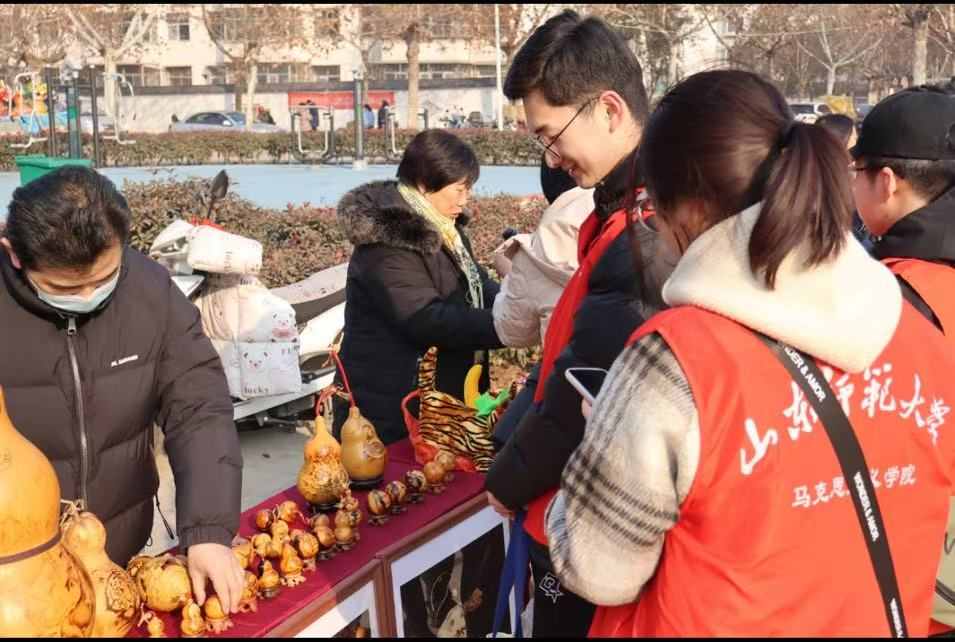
44, 590
117, 596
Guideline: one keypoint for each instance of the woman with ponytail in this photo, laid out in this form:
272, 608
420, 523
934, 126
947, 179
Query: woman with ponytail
707, 497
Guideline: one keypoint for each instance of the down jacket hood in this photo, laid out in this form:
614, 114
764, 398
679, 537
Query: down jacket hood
377, 213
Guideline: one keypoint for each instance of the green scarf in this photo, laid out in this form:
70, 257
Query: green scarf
451, 239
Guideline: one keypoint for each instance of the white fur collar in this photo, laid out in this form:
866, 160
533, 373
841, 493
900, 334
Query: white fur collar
844, 311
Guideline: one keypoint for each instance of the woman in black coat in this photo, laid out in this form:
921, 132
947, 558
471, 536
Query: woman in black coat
413, 282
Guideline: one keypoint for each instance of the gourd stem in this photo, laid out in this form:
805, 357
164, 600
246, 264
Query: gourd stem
341, 369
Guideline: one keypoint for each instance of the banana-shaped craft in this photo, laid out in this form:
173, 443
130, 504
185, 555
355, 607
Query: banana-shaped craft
471, 392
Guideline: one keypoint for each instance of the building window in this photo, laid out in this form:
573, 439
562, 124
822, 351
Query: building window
149, 37
226, 25
486, 71
388, 71
140, 75
327, 22
326, 73
440, 27
178, 26
220, 75
179, 76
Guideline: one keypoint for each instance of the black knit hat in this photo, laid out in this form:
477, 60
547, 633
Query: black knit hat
917, 123
554, 182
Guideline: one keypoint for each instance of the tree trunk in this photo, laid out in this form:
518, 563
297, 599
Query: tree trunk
110, 101
414, 52
250, 83
672, 64
830, 80
873, 93
920, 61
772, 66
239, 87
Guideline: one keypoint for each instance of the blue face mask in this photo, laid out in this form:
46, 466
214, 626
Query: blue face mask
73, 304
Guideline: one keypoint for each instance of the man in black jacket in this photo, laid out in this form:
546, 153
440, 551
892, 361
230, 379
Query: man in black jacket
583, 94
98, 344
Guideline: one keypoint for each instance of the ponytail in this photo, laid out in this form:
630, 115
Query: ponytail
806, 200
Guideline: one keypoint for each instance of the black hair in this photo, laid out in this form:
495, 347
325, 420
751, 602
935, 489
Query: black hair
572, 59
66, 219
928, 178
839, 125
435, 159
554, 181
727, 140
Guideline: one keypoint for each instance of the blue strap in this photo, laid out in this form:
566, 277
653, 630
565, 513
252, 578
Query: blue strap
514, 575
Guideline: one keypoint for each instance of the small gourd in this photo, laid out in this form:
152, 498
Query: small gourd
417, 484
307, 546
216, 618
434, 474
378, 504
250, 594
163, 581
243, 551
264, 519
326, 541
117, 596
398, 493
192, 625
269, 581
291, 567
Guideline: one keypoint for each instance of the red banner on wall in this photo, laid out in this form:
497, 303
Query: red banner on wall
338, 99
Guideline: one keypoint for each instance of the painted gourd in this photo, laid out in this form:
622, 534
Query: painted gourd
44, 589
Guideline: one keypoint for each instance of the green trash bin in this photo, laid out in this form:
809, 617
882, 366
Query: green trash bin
34, 166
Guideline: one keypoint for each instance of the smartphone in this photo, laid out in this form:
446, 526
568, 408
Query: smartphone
586, 381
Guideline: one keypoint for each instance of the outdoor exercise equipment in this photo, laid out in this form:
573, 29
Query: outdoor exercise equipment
119, 116
299, 114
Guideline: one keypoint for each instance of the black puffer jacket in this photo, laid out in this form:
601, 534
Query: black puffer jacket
404, 294
532, 460
142, 359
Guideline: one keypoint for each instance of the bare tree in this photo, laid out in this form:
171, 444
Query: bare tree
664, 28
113, 31
518, 22
246, 34
753, 35
941, 28
916, 17
40, 34
834, 39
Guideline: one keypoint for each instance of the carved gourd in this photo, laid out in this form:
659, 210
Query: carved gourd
363, 454
322, 478
44, 590
117, 596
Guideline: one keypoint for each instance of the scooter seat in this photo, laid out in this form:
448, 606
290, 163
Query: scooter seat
317, 294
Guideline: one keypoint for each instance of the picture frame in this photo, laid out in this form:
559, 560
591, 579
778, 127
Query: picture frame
472, 529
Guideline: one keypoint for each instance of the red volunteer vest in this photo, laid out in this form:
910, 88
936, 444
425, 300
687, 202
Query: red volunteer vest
768, 542
593, 241
935, 284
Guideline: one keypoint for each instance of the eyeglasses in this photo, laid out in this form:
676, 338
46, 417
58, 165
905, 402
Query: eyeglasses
547, 146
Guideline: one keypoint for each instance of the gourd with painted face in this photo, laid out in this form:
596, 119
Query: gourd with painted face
44, 589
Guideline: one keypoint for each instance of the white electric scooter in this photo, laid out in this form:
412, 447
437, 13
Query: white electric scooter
319, 304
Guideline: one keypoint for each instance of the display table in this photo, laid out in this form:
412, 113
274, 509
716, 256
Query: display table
362, 573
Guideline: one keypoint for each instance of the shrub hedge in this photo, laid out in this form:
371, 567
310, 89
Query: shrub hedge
491, 146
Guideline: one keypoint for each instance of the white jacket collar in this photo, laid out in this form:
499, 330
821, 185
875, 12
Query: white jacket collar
844, 311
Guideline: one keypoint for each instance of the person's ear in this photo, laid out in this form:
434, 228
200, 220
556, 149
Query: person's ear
614, 109
887, 185
14, 259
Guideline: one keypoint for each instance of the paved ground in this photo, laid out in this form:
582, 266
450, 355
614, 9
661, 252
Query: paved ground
271, 458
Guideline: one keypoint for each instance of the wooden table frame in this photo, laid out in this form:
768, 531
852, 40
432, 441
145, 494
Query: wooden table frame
339, 606
376, 580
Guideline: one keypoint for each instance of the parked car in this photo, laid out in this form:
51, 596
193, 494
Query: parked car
221, 121
809, 112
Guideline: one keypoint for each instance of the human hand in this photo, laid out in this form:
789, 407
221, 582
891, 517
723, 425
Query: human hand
585, 408
502, 264
498, 507
216, 562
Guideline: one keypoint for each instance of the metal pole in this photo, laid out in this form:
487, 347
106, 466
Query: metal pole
359, 162
73, 115
95, 114
499, 96
50, 110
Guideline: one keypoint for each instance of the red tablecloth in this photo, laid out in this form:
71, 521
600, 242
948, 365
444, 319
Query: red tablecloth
330, 572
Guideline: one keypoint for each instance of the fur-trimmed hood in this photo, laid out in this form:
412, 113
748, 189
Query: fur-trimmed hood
377, 213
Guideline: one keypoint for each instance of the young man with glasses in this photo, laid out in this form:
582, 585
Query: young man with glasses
903, 180
582, 91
